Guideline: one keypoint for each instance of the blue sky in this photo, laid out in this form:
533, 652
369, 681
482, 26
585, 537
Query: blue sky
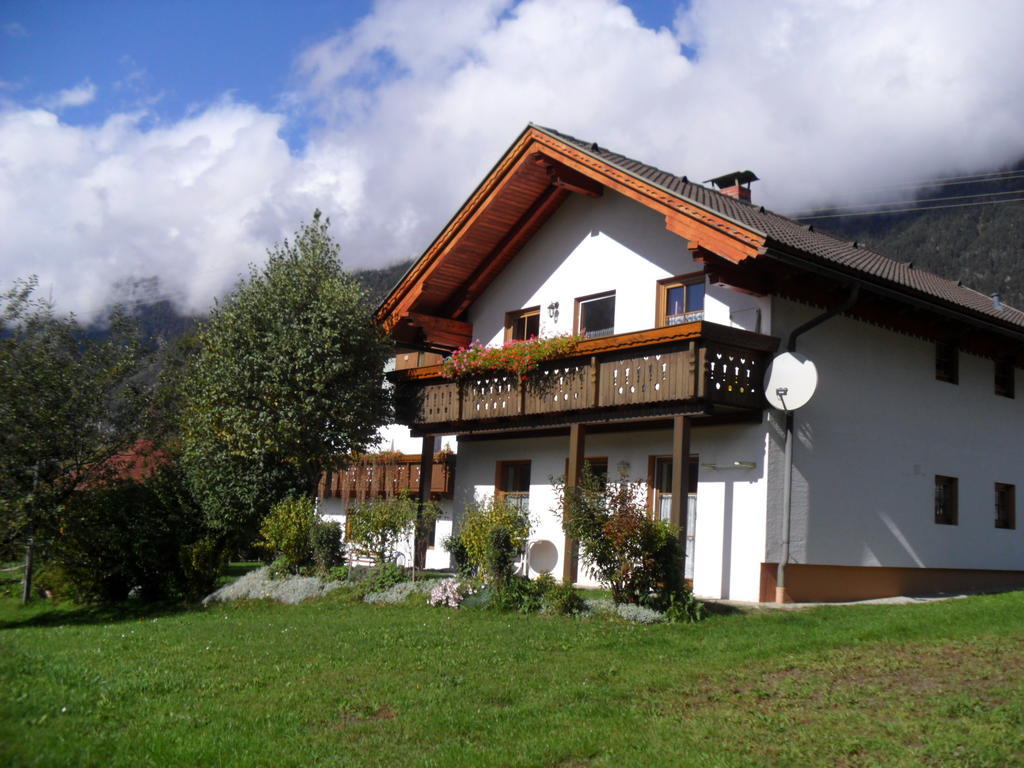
180, 139
174, 57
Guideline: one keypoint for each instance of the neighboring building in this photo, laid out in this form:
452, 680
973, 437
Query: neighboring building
905, 462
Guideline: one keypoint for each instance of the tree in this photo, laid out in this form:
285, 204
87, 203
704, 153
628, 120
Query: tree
67, 405
638, 557
287, 380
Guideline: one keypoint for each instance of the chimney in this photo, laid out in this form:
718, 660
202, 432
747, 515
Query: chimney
735, 184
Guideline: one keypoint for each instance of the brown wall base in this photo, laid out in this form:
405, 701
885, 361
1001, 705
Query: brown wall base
841, 583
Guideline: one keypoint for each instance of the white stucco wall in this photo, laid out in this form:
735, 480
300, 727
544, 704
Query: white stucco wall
729, 538
437, 557
591, 246
870, 442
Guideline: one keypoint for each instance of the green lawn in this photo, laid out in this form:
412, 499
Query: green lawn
333, 682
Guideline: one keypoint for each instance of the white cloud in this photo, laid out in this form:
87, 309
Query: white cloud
14, 29
419, 99
76, 96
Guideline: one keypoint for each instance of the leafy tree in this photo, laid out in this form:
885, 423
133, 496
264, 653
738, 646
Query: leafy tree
286, 381
639, 558
67, 405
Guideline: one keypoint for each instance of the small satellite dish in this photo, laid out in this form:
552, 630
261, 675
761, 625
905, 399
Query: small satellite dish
543, 556
790, 381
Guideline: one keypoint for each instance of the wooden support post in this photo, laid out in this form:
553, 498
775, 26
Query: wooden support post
577, 450
426, 473
680, 476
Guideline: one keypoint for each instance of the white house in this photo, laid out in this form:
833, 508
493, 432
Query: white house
904, 464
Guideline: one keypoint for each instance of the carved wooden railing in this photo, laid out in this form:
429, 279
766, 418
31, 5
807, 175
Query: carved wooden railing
387, 475
697, 361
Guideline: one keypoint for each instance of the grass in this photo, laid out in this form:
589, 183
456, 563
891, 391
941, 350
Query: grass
332, 682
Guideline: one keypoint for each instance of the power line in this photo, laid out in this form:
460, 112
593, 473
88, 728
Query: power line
974, 178
904, 202
909, 210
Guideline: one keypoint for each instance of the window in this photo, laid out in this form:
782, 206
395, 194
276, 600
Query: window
947, 362
595, 315
513, 483
680, 300
1006, 502
945, 500
1004, 378
660, 481
523, 324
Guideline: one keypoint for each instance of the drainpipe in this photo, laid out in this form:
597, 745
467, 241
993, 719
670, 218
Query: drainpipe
787, 483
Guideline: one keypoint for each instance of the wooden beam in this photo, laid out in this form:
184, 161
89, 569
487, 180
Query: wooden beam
509, 246
567, 178
442, 330
680, 475
577, 452
420, 544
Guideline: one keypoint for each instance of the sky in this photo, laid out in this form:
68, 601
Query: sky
179, 140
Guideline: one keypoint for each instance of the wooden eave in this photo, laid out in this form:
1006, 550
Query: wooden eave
524, 189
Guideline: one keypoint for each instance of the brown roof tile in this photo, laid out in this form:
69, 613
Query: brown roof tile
784, 233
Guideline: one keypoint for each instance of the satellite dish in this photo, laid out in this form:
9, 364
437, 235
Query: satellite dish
790, 381
543, 556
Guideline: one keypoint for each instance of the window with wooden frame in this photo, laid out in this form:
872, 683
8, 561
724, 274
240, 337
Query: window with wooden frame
659, 483
595, 315
522, 324
512, 483
946, 500
680, 300
1004, 378
1006, 506
947, 362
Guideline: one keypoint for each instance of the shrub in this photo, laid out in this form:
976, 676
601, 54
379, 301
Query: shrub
455, 547
326, 549
640, 559
376, 527
202, 563
562, 599
130, 538
299, 540
285, 531
493, 533
380, 578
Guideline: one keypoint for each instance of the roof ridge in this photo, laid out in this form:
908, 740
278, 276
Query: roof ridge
783, 231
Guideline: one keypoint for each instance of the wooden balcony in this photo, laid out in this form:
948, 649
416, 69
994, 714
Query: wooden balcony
387, 475
698, 368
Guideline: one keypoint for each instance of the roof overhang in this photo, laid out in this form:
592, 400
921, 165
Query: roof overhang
427, 308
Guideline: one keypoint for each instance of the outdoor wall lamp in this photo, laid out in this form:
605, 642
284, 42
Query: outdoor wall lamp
733, 465
553, 311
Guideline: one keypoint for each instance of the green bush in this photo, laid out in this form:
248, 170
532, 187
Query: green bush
129, 538
299, 539
493, 533
380, 578
285, 531
563, 600
640, 559
454, 546
376, 527
326, 548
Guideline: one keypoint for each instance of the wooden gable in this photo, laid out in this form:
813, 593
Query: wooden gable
536, 175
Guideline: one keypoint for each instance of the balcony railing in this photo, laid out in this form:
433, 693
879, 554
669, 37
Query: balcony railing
699, 362
387, 475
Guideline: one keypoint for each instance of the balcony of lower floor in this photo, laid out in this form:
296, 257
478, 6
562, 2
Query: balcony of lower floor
386, 475
697, 368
